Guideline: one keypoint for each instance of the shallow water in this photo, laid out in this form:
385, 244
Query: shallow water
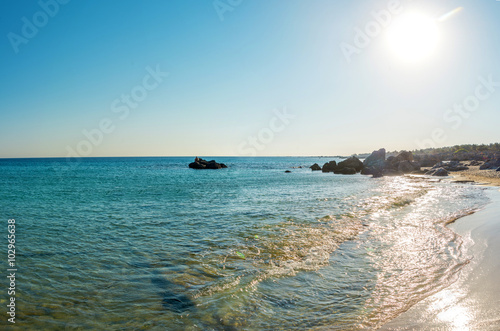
137, 243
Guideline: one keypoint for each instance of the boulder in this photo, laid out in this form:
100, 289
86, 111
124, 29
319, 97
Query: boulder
405, 167
427, 160
346, 171
498, 169
352, 162
450, 166
315, 167
442, 172
199, 163
329, 167
375, 159
287, 171
492, 164
405, 156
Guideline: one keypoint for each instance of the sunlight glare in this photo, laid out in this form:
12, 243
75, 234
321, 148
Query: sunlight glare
413, 37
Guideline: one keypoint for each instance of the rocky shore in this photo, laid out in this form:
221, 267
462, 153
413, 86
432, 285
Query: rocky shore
482, 168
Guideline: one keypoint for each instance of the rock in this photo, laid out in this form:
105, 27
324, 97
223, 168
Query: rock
392, 159
438, 165
427, 160
374, 164
442, 172
405, 167
492, 164
498, 169
405, 156
346, 171
199, 163
474, 163
416, 165
287, 171
375, 159
315, 167
450, 166
352, 162
329, 167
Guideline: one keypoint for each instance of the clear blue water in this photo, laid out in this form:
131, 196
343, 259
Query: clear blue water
147, 243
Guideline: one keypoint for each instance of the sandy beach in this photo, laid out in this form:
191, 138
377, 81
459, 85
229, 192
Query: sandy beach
473, 301
489, 177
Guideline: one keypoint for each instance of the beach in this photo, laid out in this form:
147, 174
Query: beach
488, 177
473, 301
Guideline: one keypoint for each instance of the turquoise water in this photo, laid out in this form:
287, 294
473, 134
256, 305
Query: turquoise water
146, 243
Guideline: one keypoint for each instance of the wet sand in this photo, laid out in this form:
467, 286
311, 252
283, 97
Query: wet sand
473, 301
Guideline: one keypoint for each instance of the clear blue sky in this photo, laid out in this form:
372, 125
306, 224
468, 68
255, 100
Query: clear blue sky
230, 69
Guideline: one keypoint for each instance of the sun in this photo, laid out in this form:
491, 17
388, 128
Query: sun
413, 37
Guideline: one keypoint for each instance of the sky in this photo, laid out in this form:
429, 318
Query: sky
246, 77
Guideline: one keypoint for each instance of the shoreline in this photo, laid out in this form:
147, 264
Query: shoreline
471, 302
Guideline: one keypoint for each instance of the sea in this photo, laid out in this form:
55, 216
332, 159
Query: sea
149, 244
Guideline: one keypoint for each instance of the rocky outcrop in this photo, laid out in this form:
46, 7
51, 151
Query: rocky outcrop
346, 171
329, 167
427, 160
405, 156
352, 162
401, 164
376, 159
441, 172
199, 163
451, 166
315, 167
378, 166
492, 164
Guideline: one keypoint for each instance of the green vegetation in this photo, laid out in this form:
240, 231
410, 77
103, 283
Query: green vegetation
491, 148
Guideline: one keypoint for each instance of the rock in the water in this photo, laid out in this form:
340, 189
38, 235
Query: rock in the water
374, 164
199, 163
287, 171
329, 167
498, 169
346, 171
405, 167
352, 162
375, 159
315, 167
